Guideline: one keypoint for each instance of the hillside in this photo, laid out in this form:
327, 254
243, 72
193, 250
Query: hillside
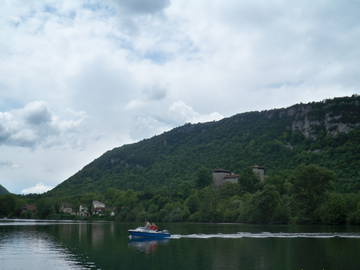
3, 190
324, 133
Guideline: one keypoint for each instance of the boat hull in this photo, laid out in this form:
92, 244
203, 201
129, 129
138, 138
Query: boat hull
144, 234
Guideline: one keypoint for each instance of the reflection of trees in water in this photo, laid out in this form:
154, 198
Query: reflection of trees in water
93, 234
147, 246
79, 238
97, 234
33, 248
83, 231
101, 242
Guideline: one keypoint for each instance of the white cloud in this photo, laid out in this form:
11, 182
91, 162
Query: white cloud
38, 188
80, 77
35, 125
134, 104
184, 113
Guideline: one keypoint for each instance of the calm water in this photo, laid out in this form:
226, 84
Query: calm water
70, 245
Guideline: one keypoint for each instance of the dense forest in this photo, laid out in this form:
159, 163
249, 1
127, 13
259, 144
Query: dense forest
311, 153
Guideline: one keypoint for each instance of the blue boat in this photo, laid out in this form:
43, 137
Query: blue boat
143, 232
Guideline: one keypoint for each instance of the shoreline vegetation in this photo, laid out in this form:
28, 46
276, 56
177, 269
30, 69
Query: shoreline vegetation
305, 195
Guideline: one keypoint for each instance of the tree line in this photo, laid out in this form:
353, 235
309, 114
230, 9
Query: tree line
305, 195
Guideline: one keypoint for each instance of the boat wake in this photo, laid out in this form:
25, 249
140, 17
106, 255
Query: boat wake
267, 235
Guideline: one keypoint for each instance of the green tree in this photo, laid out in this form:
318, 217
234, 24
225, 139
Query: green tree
264, 204
281, 180
45, 207
228, 190
248, 181
203, 178
208, 205
174, 212
333, 210
193, 202
310, 183
246, 208
354, 216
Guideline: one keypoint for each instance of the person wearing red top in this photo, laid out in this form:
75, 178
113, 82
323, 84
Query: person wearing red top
154, 227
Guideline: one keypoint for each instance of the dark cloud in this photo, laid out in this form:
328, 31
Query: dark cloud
4, 134
142, 6
33, 125
38, 114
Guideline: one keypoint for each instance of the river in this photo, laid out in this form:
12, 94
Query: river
105, 245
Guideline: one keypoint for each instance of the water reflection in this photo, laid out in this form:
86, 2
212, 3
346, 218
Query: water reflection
29, 249
59, 245
97, 234
147, 246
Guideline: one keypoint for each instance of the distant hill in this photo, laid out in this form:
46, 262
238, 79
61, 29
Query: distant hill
325, 133
3, 190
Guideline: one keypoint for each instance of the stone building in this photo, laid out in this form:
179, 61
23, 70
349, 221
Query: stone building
221, 176
259, 171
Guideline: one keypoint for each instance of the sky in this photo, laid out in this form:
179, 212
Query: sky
78, 78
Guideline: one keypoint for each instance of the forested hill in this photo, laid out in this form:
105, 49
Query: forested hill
325, 133
3, 190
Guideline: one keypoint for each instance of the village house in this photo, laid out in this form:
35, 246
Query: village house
83, 211
66, 208
98, 208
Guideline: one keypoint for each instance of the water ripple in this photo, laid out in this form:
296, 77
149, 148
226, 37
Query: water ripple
267, 235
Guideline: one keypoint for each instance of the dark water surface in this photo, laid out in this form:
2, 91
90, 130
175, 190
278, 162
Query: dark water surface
96, 245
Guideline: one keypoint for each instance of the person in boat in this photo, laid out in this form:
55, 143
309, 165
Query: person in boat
147, 225
154, 227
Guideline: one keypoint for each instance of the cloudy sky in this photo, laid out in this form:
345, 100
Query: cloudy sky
78, 78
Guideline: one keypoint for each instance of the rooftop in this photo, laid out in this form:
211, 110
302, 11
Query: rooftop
221, 171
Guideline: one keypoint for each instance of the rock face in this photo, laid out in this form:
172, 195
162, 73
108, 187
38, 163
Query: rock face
339, 115
330, 123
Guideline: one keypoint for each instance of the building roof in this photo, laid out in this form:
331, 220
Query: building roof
221, 171
258, 167
98, 204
